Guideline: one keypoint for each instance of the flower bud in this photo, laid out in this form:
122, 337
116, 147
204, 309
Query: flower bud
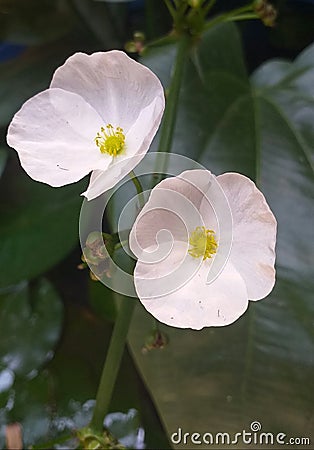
266, 12
97, 254
91, 441
195, 3
137, 44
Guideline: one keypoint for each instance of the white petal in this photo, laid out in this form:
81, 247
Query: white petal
53, 134
172, 208
161, 221
142, 132
101, 181
195, 304
198, 187
114, 84
193, 184
137, 141
254, 234
165, 269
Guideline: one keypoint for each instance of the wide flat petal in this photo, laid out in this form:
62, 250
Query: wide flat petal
192, 184
254, 234
200, 188
137, 141
170, 214
165, 268
194, 304
53, 134
167, 217
114, 84
101, 181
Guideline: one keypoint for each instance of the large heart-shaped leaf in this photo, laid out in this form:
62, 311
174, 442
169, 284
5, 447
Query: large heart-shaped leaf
260, 368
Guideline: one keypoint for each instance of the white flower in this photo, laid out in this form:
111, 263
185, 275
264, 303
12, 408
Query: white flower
205, 246
100, 114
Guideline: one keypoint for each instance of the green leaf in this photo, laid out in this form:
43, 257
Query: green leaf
31, 320
261, 367
51, 405
97, 18
39, 226
32, 71
27, 75
56, 401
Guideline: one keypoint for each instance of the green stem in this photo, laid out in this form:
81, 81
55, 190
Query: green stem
112, 364
121, 244
169, 119
159, 42
236, 14
242, 9
116, 345
247, 16
208, 7
139, 188
170, 7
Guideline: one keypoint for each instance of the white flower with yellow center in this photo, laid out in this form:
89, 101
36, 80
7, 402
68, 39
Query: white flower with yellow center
99, 115
205, 246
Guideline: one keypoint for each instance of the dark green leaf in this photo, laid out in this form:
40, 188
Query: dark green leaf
31, 72
58, 400
39, 225
25, 76
34, 21
55, 402
261, 367
96, 18
31, 320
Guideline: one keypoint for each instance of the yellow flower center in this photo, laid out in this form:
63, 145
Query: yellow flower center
202, 243
110, 140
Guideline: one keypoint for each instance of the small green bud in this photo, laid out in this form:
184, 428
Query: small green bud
258, 5
97, 254
195, 3
91, 441
130, 47
266, 12
139, 36
137, 45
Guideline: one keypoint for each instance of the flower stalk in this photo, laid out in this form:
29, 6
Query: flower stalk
112, 364
169, 120
138, 187
170, 114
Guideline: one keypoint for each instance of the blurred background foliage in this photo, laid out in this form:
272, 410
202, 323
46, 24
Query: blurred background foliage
239, 110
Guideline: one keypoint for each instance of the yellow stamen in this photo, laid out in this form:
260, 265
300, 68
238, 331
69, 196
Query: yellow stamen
110, 140
202, 243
